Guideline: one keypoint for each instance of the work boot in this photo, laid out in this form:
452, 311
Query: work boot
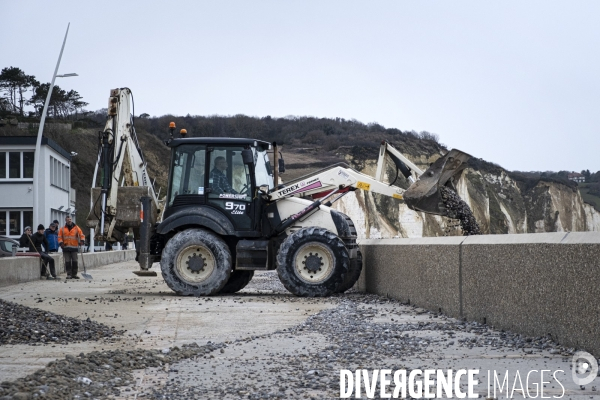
49, 278
74, 277
69, 277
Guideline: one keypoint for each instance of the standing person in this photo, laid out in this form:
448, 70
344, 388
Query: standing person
36, 241
70, 237
52, 237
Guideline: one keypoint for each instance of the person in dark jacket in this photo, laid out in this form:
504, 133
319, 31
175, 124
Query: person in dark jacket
23, 240
51, 235
38, 243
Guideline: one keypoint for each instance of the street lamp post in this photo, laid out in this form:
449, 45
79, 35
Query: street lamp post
38, 144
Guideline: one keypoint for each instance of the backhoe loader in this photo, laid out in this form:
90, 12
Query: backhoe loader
225, 215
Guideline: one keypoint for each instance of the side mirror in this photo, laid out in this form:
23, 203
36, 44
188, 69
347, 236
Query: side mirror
281, 165
247, 156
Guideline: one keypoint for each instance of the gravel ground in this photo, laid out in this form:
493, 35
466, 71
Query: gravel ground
346, 337
360, 332
96, 374
26, 325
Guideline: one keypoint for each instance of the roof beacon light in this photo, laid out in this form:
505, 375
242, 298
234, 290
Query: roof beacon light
183, 132
171, 129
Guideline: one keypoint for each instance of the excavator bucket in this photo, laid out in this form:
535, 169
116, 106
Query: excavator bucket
425, 195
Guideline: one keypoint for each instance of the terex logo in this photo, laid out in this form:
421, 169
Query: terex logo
289, 189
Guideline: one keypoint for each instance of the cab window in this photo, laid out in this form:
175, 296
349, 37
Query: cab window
187, 171
229, 178
262, 166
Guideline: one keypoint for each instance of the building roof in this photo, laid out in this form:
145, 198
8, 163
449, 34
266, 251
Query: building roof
575, 175
218, 141
31, 140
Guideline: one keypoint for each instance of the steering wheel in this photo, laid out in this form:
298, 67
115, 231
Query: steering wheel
244, 190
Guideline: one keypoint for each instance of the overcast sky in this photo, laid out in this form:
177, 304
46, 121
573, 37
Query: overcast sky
513, 82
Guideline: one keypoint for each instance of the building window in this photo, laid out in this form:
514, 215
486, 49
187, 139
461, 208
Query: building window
13, 222
59, 174
60, 216
28, 164
16, 164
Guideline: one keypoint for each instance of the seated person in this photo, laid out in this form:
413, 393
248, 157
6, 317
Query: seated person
218, 178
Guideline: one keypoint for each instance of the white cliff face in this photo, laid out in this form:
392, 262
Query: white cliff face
411, 221
496, 200
592, 218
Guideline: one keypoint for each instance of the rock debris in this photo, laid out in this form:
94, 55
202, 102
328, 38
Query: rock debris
26, 325
460, 210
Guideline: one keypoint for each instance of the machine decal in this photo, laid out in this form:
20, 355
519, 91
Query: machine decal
363, 185
287, 190
308, 187
235, 208
232, 196
343, 174
397, 196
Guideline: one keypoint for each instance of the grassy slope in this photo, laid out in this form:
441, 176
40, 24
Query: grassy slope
589, 198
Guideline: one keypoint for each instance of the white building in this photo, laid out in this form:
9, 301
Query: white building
576, 177
56, 199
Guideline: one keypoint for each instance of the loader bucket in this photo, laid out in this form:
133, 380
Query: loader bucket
424, 195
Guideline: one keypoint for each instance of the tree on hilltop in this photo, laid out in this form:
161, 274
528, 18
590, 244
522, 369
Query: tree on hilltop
15, 83
62, 103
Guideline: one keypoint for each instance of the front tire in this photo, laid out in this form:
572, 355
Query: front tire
196, 262
312, 262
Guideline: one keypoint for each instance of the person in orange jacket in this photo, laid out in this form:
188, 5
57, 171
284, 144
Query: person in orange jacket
70, 237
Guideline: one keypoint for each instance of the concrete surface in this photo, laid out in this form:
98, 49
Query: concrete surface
151, 313
536, 289
19, 269
422, 274
24, 268
535, 284
256, 325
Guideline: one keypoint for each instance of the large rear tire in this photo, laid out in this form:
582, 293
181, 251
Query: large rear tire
353, 273
237, 281
196, 262
312, 262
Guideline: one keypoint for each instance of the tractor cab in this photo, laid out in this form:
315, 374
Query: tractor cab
222, 174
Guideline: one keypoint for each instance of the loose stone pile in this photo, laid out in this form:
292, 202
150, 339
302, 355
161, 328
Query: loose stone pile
25, 325
461, 211
96, 374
